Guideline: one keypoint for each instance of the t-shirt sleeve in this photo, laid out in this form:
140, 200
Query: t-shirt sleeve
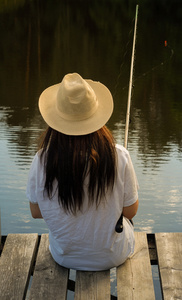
33, 178
130, 183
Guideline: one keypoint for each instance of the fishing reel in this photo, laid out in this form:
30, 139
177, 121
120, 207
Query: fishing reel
119, 224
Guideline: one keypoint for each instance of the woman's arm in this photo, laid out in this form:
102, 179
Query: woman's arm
35, 211
130, 211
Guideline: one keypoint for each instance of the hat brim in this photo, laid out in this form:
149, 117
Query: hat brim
50, 114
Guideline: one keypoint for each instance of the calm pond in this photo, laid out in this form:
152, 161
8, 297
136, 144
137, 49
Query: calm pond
41, 41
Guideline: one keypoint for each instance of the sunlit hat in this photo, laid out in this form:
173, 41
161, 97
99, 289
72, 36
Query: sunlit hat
76, 106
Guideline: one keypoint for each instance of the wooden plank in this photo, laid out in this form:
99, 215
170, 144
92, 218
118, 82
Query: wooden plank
134, 277
50, 280
16, 263
169, 251
92, 285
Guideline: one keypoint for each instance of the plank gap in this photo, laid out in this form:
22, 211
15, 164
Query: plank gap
2, 242
35, 258
152, 248
154, 265
113, 283
114, 297
32, 270
71, 285
29, 278
157, 282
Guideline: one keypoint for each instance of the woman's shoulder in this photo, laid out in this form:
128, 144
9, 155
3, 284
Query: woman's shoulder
122, 154
122, 150
37, 155
38, 158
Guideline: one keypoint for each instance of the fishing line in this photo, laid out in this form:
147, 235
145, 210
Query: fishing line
153, 68
158, 65
144, 73
123, 60
122, 63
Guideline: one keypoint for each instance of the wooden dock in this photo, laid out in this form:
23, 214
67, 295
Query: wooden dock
27, 271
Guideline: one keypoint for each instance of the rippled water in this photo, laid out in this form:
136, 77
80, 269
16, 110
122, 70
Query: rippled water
14, 166
159, 178
160, 193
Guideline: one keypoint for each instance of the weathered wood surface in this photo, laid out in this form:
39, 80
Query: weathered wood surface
49, 279
134, 277
169, 250
92, 285
15, 265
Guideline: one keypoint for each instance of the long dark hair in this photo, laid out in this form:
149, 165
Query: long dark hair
68, 159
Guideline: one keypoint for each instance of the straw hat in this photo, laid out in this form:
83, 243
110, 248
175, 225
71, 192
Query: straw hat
76, 106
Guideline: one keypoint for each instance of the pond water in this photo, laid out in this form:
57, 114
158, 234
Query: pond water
41, 41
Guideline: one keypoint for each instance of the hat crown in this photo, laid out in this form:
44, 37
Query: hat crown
76, 100
76, 106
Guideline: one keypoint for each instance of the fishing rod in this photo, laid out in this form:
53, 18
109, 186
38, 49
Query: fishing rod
119, 224
130, 81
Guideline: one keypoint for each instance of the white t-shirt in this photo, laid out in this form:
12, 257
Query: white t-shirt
88, 241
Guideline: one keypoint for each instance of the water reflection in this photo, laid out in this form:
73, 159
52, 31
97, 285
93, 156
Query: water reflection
49, 41
41, 42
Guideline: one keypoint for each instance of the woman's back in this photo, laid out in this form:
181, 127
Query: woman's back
88, 240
